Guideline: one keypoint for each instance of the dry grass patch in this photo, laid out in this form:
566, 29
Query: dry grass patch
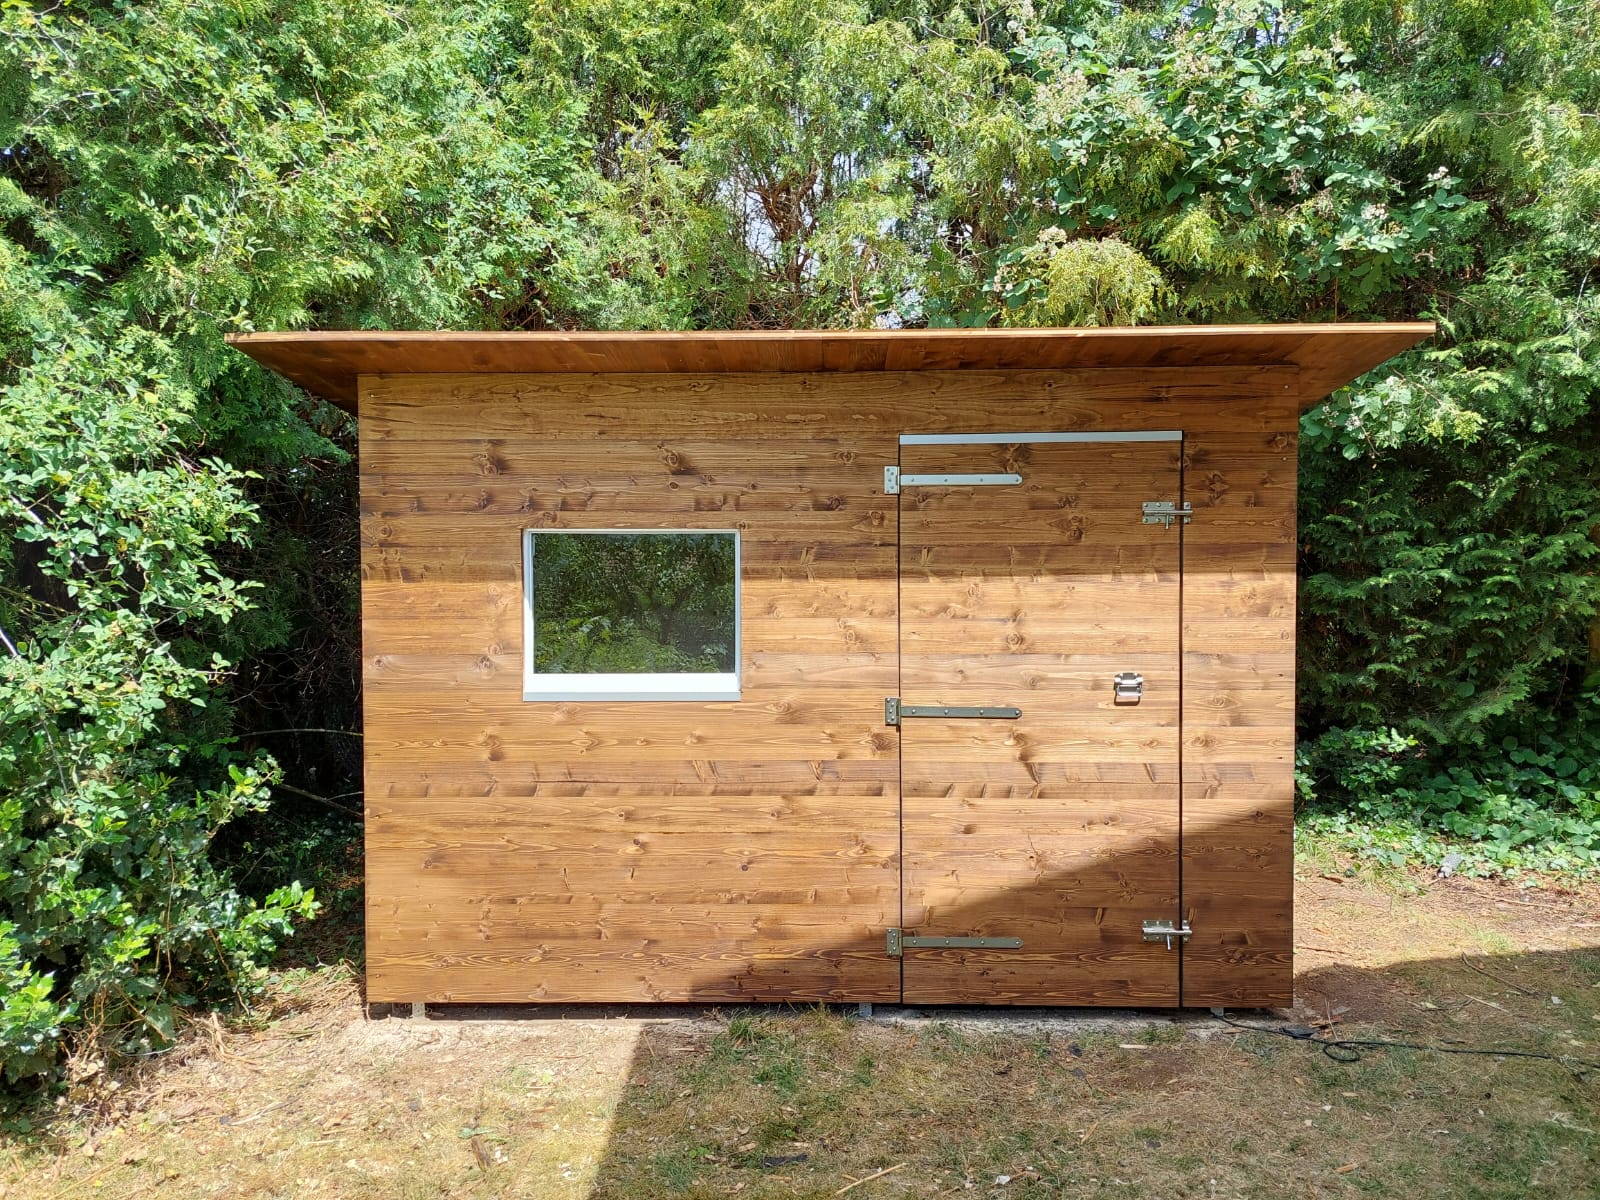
324, 1103
309, 1098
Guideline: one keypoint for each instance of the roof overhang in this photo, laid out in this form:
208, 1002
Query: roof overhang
1326, 356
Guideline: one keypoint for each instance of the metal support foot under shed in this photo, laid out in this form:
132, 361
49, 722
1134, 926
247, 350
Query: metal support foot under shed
925, 667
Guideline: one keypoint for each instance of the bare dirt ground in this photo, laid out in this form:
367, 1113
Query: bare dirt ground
312, 1098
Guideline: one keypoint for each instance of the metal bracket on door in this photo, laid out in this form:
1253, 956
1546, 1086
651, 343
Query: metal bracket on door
899, 940
1165, 512
893, 711
893, 480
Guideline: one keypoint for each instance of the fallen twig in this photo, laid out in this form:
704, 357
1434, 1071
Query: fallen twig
222, 1051
875, 1175
1491, 975
255, 1115
1536, 904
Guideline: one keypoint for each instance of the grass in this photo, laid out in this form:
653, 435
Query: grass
307, 1097
777, 1106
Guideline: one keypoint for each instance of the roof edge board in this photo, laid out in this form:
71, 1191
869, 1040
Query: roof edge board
331, 362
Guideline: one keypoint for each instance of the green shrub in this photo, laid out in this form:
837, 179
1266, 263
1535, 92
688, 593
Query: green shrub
170, 171
1531, 805
111, 911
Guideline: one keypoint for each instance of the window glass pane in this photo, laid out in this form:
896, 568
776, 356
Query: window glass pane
634, 603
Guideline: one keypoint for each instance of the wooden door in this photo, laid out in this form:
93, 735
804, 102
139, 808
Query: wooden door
1059, 828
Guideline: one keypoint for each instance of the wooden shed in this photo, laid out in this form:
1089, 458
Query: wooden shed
930, 667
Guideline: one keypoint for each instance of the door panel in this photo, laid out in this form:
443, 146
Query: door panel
1059, 827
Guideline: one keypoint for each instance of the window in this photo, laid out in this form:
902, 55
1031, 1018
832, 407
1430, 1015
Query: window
621, 614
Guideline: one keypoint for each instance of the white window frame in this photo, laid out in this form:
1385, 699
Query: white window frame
603, 685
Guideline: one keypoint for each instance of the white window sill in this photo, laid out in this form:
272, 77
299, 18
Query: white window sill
622, 688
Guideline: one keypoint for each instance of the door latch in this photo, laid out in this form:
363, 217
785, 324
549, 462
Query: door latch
1165, 512
1166, 931
1127, 687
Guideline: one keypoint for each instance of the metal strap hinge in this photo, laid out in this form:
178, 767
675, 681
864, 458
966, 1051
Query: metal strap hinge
1166, 931
893, 711
894, 479
899, 940
1165, 512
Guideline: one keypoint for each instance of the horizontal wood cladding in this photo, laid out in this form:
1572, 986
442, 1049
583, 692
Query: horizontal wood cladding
450, 777
1238, 718
613, 851
769, 965
1036, 595
489, 411
577, 809
1073, 872
585, 851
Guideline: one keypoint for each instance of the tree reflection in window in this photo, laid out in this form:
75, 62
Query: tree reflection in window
634, 603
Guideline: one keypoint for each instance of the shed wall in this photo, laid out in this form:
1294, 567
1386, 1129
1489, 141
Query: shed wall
687, 851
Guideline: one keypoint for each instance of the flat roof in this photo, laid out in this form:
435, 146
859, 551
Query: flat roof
1328, 356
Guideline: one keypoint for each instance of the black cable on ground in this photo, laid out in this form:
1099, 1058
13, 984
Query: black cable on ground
1348, 1050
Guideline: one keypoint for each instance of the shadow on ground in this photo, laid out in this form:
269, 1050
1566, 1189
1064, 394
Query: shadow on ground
1090, 1102
311, 1097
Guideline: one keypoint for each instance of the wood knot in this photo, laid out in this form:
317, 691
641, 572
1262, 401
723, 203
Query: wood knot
675, 462
1074, 529
490, 461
